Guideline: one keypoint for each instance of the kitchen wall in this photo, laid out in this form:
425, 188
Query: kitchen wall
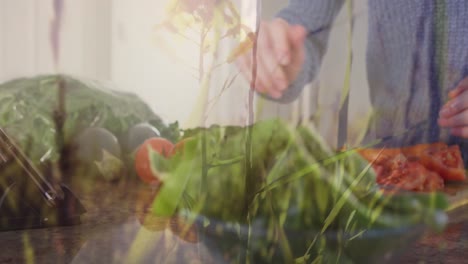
112, 40
167, 76
24, 38
115, 40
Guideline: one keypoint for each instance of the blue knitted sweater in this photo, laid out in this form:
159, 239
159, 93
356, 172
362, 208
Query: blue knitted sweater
417, 51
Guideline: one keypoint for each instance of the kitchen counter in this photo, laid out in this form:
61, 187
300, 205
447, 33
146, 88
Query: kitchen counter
111, 232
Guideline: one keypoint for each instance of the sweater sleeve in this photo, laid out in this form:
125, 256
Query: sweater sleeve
317, 17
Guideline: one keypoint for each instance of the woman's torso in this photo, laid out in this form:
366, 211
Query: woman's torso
417, 52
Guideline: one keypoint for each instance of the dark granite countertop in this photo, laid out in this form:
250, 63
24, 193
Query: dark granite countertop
111, 232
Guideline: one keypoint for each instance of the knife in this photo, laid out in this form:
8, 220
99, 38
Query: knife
9, 150
20, 209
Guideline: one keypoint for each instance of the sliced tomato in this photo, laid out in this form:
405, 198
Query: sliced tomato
405, 175
142, 158
380, 159
380, 155
409, 174
445, 160
438, 157
433, 182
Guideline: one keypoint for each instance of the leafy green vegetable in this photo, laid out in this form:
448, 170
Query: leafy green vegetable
329, 200
27, 108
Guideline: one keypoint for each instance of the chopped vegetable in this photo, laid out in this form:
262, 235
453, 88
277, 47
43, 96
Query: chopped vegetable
423, 167
145, 169
299, 186
29, 107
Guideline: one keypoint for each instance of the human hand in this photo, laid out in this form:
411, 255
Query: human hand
454, 114
280, 55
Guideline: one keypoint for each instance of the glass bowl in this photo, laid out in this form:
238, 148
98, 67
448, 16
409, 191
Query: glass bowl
236, 243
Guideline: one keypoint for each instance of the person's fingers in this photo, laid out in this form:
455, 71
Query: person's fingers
265, 78
245, 65
280, 78
281, 41
288, 43
265, 57
460, 131
266, 60
298, 55
455, 105
269, 76
461, 87
460, 119
270, 69
297, 35
280, 55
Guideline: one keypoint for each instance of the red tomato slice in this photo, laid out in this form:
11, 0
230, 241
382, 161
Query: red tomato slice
446, 161
437, 157
142, 159
409, 174
433, 182
405, 175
